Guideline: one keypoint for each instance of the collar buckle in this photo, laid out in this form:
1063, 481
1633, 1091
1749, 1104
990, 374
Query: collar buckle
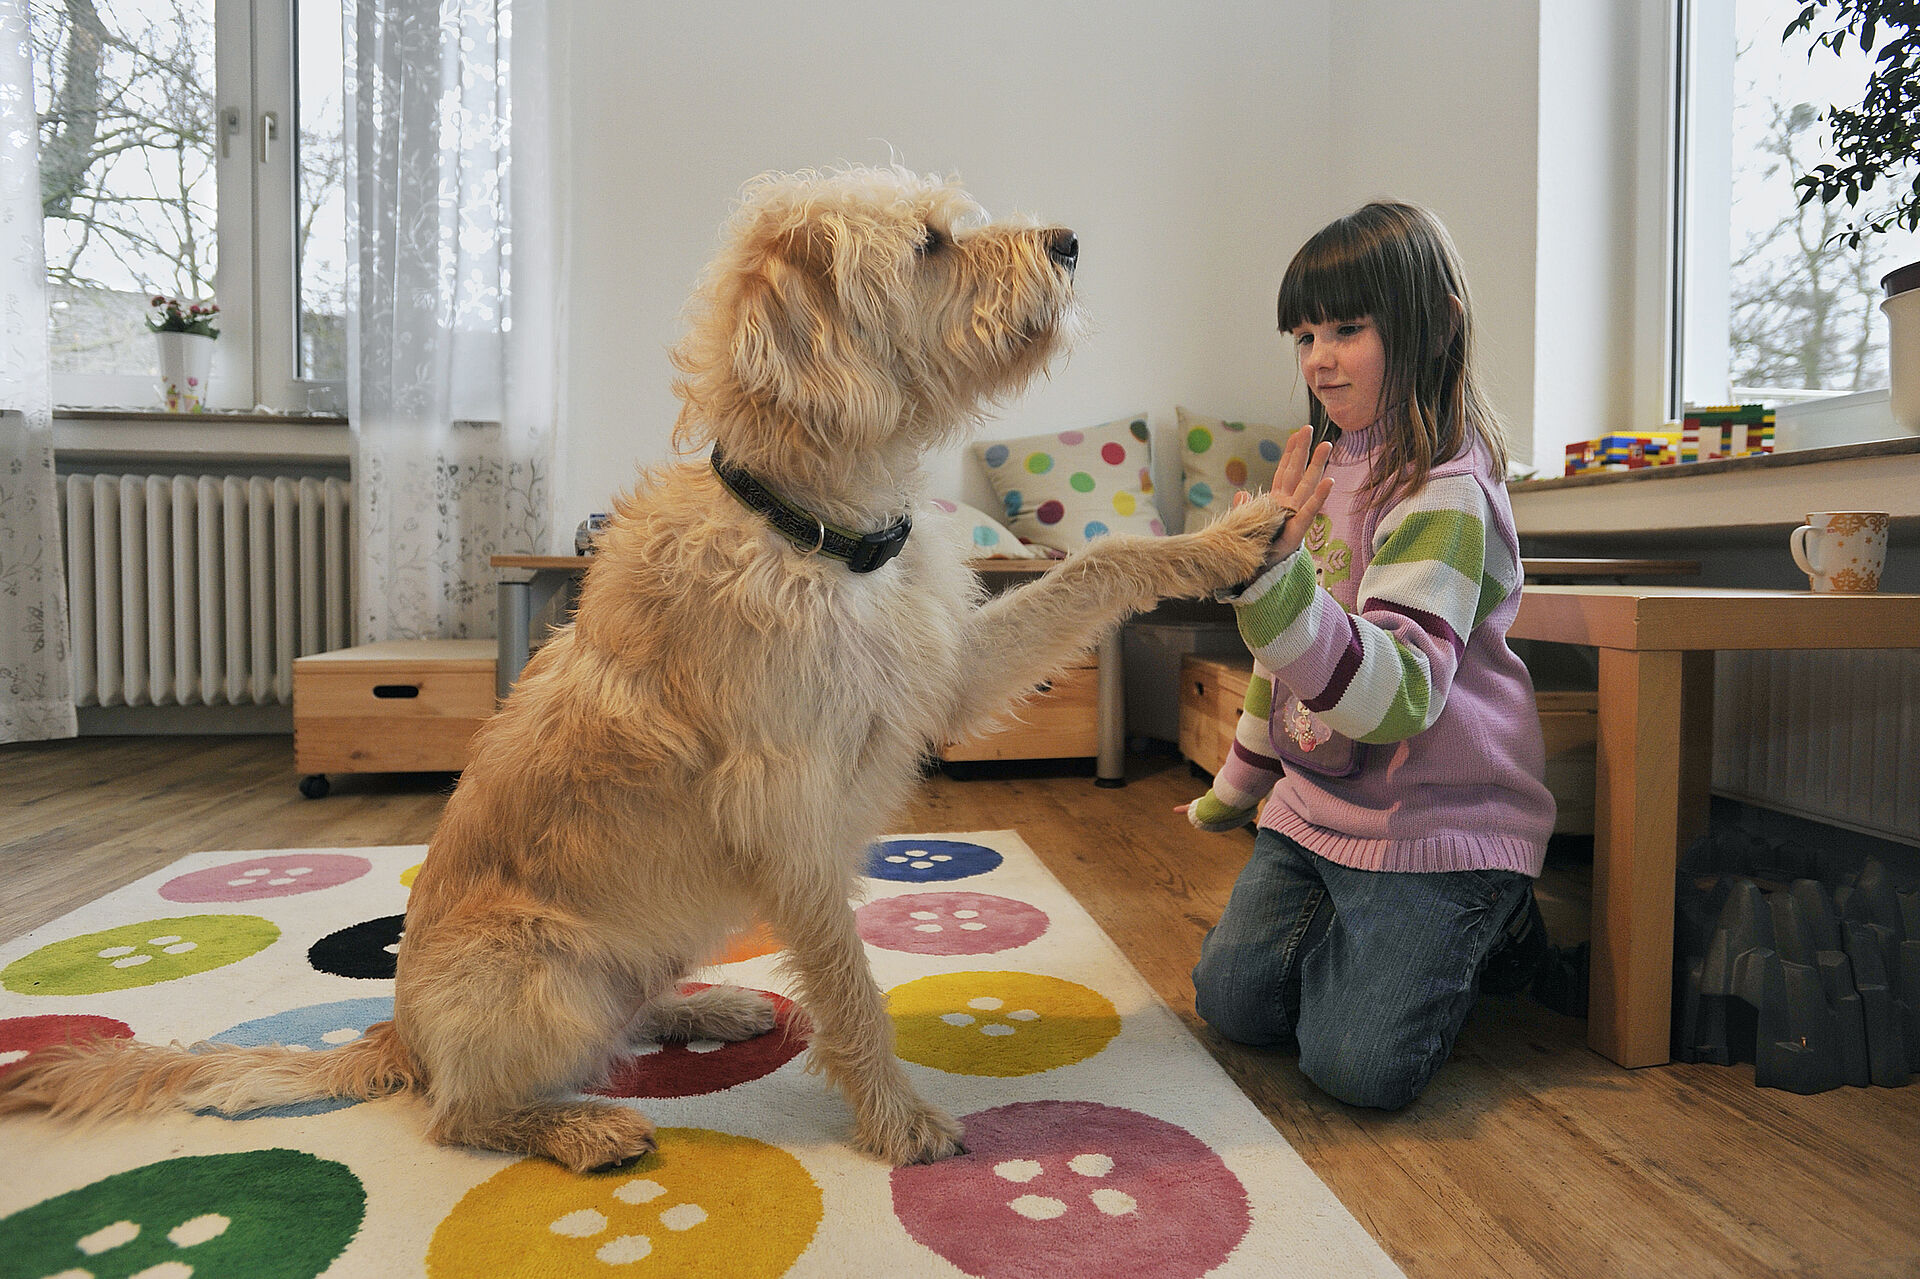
871, 550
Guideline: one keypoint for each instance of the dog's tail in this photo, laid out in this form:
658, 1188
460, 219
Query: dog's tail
102, 1078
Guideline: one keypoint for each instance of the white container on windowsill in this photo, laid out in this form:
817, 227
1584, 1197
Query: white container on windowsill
1902, 309
185, 361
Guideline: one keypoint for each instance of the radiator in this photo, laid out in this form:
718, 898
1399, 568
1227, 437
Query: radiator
1834, 736
191, 590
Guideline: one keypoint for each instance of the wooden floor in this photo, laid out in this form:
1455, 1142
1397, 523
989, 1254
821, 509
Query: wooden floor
1529, 1155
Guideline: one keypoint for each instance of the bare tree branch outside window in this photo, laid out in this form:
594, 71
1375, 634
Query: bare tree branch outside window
1804, 314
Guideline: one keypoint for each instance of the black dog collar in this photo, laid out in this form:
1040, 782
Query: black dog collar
863, 552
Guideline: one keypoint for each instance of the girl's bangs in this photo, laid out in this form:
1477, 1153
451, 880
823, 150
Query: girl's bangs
1325, 284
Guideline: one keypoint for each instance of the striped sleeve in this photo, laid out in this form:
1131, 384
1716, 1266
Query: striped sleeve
1382, 673
1250, 769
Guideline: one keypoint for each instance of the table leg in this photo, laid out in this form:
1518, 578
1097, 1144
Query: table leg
1654, 753
514, 623
1110, 768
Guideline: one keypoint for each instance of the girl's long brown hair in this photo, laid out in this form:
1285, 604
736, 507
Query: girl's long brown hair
1397, 264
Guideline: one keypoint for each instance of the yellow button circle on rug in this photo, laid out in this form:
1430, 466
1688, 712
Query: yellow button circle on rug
407, 875
999, 1023
705, 1203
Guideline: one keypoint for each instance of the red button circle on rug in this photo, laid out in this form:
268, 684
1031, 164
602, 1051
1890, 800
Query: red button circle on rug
269, 875
21, 1035
949, 923
696, 1067
1075, 1187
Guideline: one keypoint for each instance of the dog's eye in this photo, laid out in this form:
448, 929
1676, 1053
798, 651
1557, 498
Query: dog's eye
935, 240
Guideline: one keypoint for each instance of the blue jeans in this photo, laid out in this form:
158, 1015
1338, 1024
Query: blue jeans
1370, 972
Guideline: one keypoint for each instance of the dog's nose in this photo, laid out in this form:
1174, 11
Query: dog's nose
1064, 248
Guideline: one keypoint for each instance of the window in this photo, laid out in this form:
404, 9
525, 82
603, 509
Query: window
194, 148
1773, 309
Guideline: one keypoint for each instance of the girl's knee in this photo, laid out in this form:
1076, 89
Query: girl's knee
1376, 1076
1229, 1004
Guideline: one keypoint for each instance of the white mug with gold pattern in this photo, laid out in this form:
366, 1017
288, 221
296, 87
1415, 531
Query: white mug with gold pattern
1842, 552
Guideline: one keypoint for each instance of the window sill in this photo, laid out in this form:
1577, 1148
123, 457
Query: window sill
1769, 490
114, 436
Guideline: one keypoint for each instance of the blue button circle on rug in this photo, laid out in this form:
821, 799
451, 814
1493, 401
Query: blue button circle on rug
922, 861
317, 1027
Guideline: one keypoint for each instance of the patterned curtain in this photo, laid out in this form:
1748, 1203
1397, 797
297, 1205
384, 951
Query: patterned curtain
451, 374
36, 686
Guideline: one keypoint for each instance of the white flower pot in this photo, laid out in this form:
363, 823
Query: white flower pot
185, 361
1902, 310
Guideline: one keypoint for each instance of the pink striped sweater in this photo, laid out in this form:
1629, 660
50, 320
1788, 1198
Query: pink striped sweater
1387, 719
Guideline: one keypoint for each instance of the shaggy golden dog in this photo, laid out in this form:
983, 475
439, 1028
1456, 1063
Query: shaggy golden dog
757, 668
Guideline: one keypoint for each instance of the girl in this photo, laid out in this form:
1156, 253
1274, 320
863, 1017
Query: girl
1388, 726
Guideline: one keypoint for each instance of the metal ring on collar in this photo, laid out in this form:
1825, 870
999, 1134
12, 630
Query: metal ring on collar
817, 546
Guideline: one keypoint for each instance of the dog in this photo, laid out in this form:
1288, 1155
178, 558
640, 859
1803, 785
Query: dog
764, 652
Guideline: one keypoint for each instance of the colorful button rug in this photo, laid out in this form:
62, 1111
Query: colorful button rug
1104, 1141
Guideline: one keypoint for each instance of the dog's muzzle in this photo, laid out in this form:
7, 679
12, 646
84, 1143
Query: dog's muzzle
1064, 248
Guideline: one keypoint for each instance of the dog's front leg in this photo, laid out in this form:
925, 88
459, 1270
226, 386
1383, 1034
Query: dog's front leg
852, 1033
1026, 635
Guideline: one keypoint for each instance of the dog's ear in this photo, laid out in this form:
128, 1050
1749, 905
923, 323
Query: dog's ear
794, 344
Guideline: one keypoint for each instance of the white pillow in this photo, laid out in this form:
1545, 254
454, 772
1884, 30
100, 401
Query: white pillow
1067, 488
988, 537
1219, 458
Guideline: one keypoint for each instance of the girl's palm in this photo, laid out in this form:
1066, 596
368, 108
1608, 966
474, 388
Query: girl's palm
1301, 483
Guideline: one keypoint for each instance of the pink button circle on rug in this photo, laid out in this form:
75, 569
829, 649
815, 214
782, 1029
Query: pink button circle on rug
268, 875
1075, 1187
673, 1068
949, 923
22, 1035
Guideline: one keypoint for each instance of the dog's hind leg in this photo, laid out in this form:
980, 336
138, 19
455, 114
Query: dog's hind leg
510, 1011
581, 1136
726, 1013
852, 1034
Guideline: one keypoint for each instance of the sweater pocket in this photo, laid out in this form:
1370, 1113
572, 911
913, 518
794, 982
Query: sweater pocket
1302, 740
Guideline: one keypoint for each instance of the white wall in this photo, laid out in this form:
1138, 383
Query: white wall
1187, 145
1585, 309
1438, 104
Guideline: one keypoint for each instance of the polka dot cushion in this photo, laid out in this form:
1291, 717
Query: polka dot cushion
989, 538
1065, 489
1220, 458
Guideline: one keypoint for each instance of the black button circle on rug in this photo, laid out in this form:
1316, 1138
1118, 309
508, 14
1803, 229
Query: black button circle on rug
365, 949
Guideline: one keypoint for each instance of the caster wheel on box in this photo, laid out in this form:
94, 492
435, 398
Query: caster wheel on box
316, 786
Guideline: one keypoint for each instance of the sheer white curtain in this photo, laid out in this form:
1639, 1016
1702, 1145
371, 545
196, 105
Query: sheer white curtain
452, 382
36, 697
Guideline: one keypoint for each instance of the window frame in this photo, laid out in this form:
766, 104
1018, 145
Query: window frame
1698, 358
256, 281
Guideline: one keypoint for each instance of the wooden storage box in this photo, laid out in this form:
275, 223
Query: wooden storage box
1570, 721
1211, 691
1063, 722
405, 706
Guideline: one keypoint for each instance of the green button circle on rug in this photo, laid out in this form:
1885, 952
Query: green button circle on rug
154, 950
260, 1214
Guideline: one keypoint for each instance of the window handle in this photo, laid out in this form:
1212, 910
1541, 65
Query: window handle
269, 134
230, 128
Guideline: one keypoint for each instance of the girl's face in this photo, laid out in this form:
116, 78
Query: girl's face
1344, 364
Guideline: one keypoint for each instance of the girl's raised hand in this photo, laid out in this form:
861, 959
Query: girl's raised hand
1301, 485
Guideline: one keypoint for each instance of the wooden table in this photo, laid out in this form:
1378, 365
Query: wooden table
528, 583
1549, 569
1655, 757
526, 586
